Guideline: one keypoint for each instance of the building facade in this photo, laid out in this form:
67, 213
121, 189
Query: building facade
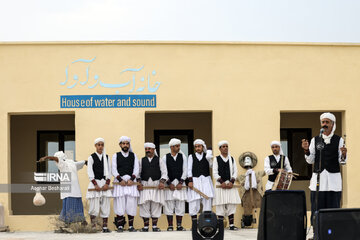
246, 93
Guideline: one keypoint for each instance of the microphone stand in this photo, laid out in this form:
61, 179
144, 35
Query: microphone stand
320, 146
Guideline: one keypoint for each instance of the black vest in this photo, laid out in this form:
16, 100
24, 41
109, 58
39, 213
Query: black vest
98, 166
150, 169
125, 165
224, 168
200, 167
174, 167
330, 155
275, 164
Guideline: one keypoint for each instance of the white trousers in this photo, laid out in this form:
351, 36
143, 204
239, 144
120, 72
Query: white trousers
150, 209
125, 205
225, 209
174, 205
99, 205
194, 206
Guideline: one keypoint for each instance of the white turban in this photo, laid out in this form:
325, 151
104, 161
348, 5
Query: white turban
222, 143
174, 141
60, 155
126, 139
201, 142
99, 140
328, 116
332, 117
106, 160
151, 145
277, 143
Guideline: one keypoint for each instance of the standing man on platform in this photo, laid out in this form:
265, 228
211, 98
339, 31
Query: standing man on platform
125, 169
275, 162
175, 197
153, 174
333, 153
99, 176
226, 196
199, 164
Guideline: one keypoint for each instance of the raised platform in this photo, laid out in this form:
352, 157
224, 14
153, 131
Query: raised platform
242, 234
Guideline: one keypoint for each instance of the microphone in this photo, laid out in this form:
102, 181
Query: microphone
322, 130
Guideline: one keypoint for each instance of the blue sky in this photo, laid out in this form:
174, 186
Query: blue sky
180, 20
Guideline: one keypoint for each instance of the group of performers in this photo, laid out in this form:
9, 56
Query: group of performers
164, 184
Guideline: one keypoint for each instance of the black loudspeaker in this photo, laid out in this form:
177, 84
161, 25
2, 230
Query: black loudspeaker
283, 216
337, 224
207, 227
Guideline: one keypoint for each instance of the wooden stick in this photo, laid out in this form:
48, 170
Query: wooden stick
93, 189
251, 193
154, 187
234, 186
134, 183
200, 193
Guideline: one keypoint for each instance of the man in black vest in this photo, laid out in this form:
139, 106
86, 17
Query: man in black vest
275, 162
175, 197
153, 174
332, 155
199, 164
226, 196
99, 175
125, 169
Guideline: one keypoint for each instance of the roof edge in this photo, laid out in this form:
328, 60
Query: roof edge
2, 43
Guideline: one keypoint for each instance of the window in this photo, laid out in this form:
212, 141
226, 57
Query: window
291, 145
162, 138
50, 142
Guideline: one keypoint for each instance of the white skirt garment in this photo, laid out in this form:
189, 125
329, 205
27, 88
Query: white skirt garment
204, 184
120, 191
96, 194
154, 195
177, 194
226, 196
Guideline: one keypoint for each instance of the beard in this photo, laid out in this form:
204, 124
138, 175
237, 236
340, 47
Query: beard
125, 149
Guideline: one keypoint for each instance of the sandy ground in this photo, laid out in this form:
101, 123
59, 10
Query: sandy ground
242, 234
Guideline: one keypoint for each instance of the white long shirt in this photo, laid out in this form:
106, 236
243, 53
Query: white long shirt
115, 172
162, 165
216, 168
71, 167
328, 181
200, 157
184, 168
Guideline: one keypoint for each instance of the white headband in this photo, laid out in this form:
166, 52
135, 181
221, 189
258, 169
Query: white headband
329, 116
222, 143
99, 140
174, 141
60, 155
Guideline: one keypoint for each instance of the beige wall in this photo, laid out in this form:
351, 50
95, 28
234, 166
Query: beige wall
246, 86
